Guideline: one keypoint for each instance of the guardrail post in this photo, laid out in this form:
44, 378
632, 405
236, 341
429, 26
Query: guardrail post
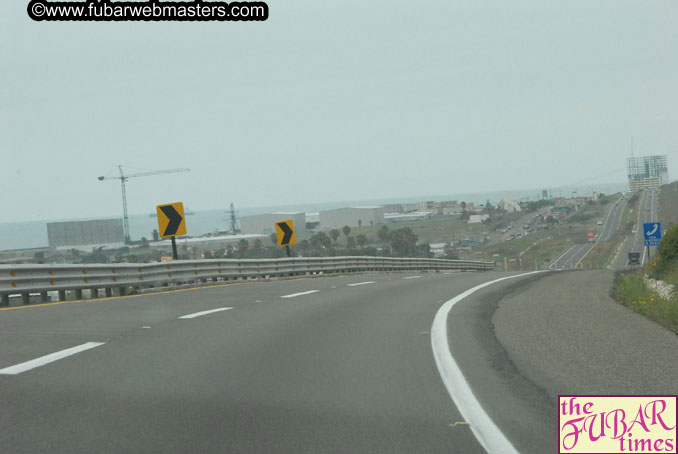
43, 297
4, 301
25, 298
109, 292
62, 295
78, 294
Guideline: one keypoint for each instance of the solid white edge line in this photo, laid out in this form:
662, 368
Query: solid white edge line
412, 277
32, 364
199, 314
299, 294
485, 430
360, 283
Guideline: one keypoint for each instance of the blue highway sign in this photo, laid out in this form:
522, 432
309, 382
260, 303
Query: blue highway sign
652, 232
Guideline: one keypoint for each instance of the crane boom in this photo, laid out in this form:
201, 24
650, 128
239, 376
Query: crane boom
123, 179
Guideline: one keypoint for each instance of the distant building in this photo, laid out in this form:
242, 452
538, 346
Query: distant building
352, 217
647, 172
450, 210
393, 208
411, 216
478, 218
409, 207
438, 249
507, 203
85, 233
426, 205
264, 224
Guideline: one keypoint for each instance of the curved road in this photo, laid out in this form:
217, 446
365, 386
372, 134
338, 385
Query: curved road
340, 364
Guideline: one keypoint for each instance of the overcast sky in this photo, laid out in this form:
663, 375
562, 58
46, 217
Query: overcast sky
330, 101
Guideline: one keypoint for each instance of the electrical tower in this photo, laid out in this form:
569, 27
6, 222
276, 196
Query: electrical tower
234, 220
123, 180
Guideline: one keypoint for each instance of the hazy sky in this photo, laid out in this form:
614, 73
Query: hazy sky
331, 101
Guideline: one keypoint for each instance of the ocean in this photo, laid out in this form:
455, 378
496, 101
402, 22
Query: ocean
33, 234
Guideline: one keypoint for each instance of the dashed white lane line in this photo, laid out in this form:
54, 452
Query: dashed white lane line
200, 314
32, 364
412, 277
293, 295
360, 283
485, 430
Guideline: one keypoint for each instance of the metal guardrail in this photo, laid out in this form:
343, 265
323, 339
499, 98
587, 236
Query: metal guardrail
25, 280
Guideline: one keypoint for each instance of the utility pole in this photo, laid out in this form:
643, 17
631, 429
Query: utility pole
234, 224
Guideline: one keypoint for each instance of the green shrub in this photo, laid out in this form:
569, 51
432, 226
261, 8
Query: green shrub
668, 251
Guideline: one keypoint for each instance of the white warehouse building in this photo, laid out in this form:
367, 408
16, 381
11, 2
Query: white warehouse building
352, 217
264, 224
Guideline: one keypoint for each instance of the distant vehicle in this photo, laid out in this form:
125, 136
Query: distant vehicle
592, 237
600, 222
633, 258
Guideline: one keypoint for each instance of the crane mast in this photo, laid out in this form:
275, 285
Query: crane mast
125, 218
123, 180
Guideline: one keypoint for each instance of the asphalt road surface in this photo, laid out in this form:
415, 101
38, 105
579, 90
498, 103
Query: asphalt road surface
335, 364
340, 364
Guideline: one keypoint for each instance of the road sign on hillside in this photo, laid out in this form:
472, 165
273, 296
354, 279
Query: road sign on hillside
285, 233
171, 220
652, 233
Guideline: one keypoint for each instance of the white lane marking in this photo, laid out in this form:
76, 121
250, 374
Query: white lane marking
555, 262
199, 314
300, 294
360, 283
484, 429
32, 364
412, 277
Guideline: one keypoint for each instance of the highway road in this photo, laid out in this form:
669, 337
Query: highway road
334, 364
647, 212
572, 256
378, 363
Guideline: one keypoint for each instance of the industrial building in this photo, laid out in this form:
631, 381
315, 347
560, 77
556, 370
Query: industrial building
352, 217
85, 233
647, 172
264, 224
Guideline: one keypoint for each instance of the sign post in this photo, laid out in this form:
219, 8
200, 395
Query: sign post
171, 223
286, 236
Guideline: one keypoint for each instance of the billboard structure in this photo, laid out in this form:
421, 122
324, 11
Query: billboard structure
647, 172
85, 233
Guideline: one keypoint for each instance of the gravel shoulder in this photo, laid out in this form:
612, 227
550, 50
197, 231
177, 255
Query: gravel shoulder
567, 335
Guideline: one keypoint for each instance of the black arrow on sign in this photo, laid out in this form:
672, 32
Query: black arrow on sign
174, 219
287, 233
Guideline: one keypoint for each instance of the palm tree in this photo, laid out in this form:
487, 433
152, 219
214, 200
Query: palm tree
347, 231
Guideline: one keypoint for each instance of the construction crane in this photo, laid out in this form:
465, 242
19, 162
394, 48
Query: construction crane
123, 179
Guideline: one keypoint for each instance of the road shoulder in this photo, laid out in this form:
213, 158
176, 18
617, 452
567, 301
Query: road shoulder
567, 335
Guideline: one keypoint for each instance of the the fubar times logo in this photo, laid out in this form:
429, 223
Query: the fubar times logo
617, 424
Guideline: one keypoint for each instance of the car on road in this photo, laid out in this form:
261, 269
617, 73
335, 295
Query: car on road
600, 222
633, 258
